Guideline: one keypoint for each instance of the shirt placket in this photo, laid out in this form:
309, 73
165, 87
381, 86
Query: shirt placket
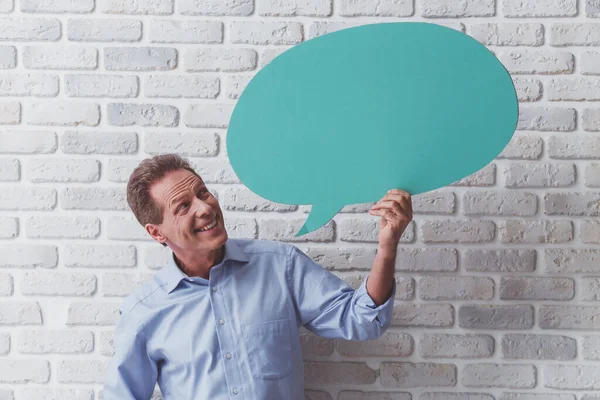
225, 335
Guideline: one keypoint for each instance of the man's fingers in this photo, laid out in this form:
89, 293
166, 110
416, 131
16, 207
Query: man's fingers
400, 207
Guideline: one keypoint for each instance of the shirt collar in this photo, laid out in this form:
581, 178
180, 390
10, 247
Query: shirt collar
170, 275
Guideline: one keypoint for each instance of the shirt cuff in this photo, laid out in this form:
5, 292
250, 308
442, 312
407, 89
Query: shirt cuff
382, 313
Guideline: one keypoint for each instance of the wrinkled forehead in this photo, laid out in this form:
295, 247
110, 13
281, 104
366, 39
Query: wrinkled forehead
173, 185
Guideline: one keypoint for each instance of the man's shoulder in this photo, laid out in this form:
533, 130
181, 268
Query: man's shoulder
144, 293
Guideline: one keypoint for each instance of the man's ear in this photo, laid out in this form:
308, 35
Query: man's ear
154, 232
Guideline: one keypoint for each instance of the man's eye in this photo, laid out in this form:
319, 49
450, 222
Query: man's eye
203, 192
182, 206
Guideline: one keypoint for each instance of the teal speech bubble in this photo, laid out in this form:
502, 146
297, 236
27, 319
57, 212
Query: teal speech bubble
342, 118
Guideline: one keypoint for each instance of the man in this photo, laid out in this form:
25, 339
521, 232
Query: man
221, 319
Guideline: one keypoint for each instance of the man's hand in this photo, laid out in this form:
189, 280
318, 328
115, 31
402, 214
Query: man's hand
395, 210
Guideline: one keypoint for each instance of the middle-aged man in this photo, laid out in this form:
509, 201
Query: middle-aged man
220, 320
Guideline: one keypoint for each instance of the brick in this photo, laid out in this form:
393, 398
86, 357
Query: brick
6, 288
20, 313
4, 346
107, 343
242, 228
87, 313
7, 6
236, 85
484, 177
546, 119
129, 114
591, 348
508, 34
589, 63
534, 288
411, 375
8, 59
455, 288
58, 284
220, 59
28, 84
198, 144
359, 395
208, 115
423, 315
584, 147
592, 9
157, 256
495, 317
569, 317
10, 169
126, 228
81, 371
314, 346
260, 32
367, 230
27, 142
122, 284
573, 89
540, 175
528, 89
10, 113
589, 288
457, 231
435, 202
455, 396
63, 170
285, 230
94, 199
574, 34
539, 8
120, 169
316, 395
6, 394
176, 86
385, 8
30, 29
522, 147
140, 58
390, 344
500, 203
64, 113
242, 199
62, 227
136, 7
115, 86
589, 232
216, 7
572, 377
469, 8
9, 227
575, 204
542, 62
405, 286
57, 394
57, 6
538, 347
590, 120
104, 30
27, 198
28, 256
60, 57
521, 231
339, 373
63, 341
24, 371
571, 261
99, 255
342, 259
456, 346
85, 142
488, 375
534, 396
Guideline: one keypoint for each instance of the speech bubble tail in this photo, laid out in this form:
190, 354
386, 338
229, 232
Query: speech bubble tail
319, 216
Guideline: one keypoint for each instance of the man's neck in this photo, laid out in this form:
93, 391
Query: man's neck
199, 264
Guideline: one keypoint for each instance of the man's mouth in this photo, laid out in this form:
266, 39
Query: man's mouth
207, 227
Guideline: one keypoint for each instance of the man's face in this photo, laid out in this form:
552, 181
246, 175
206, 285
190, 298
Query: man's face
192, 217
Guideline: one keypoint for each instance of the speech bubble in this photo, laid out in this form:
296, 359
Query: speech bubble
342, 118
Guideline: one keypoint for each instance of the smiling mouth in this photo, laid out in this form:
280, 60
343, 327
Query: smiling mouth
208, 227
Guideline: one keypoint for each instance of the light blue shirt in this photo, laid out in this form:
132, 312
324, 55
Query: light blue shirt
235, 335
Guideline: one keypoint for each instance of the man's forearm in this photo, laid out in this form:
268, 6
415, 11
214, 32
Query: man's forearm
379, 284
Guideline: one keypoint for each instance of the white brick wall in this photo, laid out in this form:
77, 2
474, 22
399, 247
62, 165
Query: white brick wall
498, 276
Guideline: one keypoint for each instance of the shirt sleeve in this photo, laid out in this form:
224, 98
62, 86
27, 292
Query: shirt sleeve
132, 374
329, 307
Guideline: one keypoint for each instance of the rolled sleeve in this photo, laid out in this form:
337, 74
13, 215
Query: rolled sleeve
381, 314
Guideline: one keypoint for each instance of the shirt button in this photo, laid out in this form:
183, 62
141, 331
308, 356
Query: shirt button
221, 321
235, 391
214, 289
228, 355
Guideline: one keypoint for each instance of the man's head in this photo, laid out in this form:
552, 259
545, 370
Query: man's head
172, 203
